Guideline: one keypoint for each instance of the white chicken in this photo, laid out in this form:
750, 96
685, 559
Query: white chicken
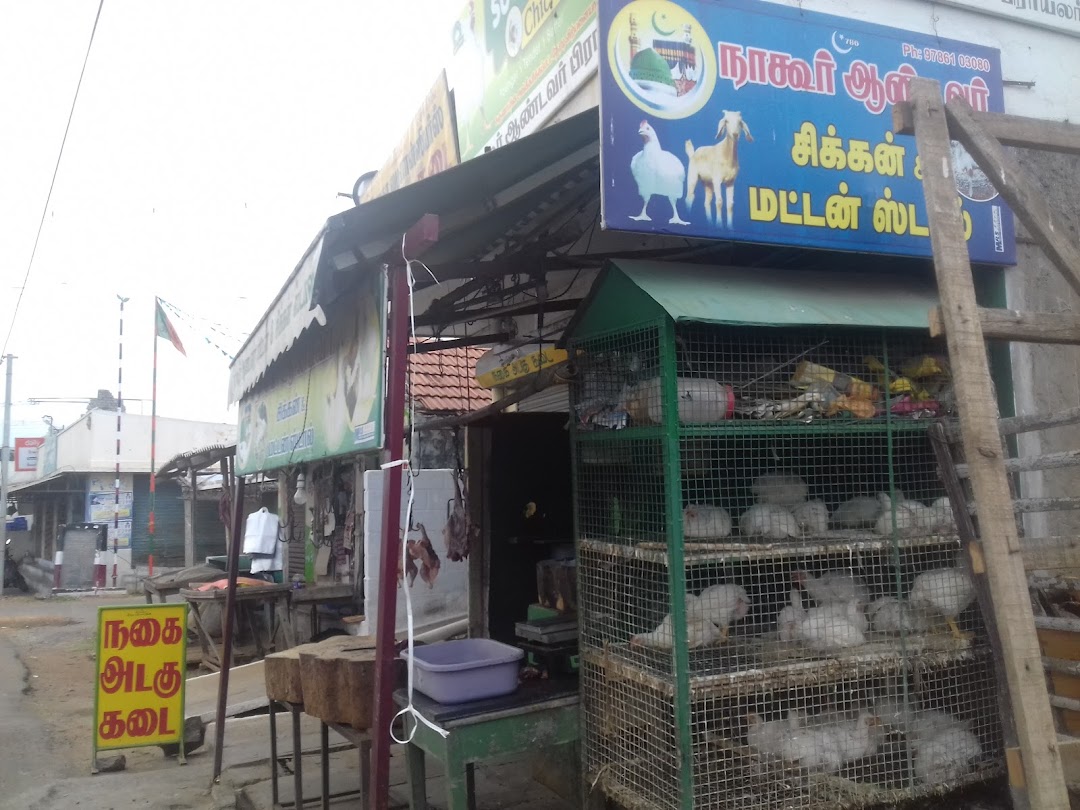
838, 586
891, 615
812, 517
780, 489
701, 522
859, 738
768, 521
857, 512
908, 520
767, 736
816, 748
942, 514
722, 605
822, 629
657, 173
945, 754
699, 633
944, 591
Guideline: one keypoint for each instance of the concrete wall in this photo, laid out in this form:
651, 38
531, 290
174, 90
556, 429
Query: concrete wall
1047, 378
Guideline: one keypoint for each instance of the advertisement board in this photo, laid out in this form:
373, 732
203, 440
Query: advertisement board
101, 507
757, 122
428, 147
1062, 16
515, 63
26, 453
140, 672
332, 407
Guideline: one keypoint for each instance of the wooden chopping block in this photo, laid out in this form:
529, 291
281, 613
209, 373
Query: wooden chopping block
338, 681
282, 673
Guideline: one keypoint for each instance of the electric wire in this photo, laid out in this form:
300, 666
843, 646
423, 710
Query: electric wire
52, 183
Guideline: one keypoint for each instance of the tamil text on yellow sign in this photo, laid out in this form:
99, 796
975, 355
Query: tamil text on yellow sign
429, 145
141, 657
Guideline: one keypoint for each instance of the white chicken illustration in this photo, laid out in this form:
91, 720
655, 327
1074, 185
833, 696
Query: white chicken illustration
657, 173
721, 604
945, 591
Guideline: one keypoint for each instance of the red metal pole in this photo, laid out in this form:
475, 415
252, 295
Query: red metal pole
398, 334
418, 238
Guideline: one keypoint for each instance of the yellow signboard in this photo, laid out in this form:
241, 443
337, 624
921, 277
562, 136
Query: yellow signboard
522, 367
429, 145
139, 691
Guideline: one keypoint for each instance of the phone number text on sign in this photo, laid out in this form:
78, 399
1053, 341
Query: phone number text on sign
141, 658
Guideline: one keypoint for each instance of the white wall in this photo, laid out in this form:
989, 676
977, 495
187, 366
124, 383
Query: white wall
1028, 53
448, 600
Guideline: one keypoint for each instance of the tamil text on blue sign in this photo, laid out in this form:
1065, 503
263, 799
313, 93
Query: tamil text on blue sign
757, 122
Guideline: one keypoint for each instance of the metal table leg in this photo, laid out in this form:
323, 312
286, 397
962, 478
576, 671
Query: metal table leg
273, 754
298, 776
414, 761
324, 746
365, 773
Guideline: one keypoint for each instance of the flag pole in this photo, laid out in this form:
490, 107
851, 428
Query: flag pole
151, 529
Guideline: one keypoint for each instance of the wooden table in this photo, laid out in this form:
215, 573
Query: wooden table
315, 595
161, 591
247, 599
541, 714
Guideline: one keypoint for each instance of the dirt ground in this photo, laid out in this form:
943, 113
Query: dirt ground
54, 641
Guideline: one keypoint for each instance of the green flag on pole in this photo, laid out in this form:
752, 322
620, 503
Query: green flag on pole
165, 329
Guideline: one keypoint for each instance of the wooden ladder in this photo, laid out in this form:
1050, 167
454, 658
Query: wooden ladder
1034, 754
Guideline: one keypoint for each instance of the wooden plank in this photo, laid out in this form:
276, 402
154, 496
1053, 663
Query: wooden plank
1062, 666
1047, 461
1010, 130
247, 691
1023, 327
982, 445
1051, 553
1027, 201
1026, 505
1029, 423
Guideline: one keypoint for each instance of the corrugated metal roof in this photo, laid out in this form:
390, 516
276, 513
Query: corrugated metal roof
445, 381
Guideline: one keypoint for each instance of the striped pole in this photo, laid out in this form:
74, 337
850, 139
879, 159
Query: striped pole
151, 528
119, 413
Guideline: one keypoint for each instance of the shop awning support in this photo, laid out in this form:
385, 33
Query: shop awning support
418, 239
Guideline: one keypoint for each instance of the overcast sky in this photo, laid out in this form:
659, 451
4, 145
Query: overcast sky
208, 145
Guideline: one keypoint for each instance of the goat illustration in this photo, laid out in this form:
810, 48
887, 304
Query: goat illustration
716, 167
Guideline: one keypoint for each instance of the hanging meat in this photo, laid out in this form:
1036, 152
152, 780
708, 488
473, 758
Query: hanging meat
459, 531
410, 570
423, 551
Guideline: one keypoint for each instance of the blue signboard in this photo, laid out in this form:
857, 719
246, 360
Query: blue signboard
752, 121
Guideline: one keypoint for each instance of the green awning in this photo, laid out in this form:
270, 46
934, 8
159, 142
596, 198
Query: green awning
645, 290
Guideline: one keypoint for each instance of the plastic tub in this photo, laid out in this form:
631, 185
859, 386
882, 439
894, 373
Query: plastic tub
465, 669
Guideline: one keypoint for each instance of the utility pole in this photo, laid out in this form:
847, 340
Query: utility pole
5, 455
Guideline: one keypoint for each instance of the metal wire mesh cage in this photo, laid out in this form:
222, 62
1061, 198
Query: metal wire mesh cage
775, 609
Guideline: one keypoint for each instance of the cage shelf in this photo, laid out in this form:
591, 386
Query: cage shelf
805, 790
762, 428
768, 666
700, 553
